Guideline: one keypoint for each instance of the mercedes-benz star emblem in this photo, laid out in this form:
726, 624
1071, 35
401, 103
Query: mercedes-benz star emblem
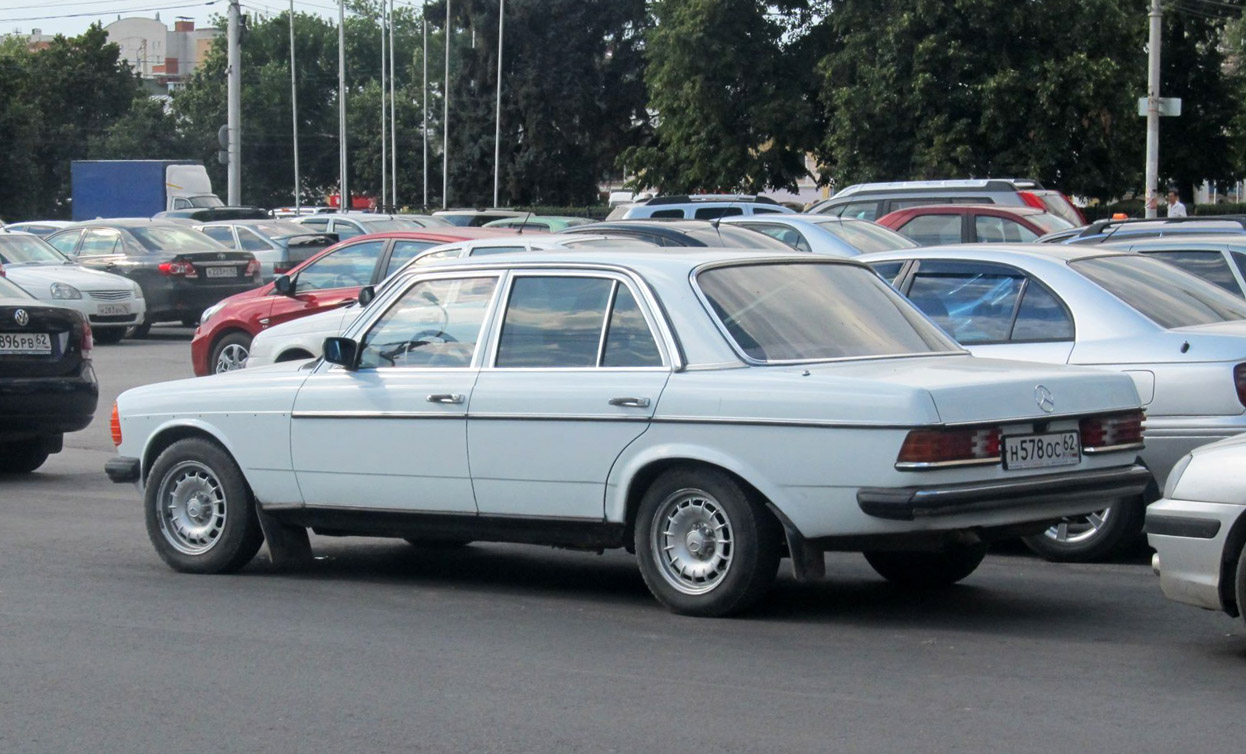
21, 317
1045, 400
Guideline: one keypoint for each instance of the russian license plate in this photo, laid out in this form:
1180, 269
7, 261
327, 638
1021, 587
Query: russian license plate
112, 310
221, 272
35, 343
1041, 451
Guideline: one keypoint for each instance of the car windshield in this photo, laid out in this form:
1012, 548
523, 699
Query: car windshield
1166, 295
865, 236
17, 249
172, 238
1048, 222
279, 229
12, 290
205, 201
790, 311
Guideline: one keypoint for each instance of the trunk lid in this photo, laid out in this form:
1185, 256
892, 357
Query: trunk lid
219, 268
39, 340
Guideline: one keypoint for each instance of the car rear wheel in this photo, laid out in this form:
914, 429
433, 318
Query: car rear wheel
231, 353
22, 458
706, 545
1239, 591
108, 335
927, 570
141, 331
200, 512
1093, 537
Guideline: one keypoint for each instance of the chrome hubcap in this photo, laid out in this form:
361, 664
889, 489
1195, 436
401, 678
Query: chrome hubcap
1077, 529
692, 541
192, 508
231, 357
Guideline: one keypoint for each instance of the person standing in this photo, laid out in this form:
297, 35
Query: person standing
1175, 207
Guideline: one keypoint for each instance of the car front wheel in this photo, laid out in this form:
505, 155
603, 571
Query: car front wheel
706, 545
200, 512
1093, 537
927, 570
231, 353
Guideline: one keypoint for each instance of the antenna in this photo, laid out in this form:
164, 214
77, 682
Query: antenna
524, 224
718, 220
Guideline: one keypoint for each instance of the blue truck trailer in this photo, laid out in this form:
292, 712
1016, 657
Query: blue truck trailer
138, 188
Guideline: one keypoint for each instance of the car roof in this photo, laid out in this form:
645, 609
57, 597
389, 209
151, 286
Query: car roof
1237, 240
646, 259
439, 233
129, 222
964, 209
987, 184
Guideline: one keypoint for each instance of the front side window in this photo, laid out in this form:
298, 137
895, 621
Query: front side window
554, 322
932, 230
318, 224
1162, 293
437, 256
991, 229
436, 324
20, 249
975, 306
100, 242
221, 234
1208, 265
784, 233
347, 267
65, 242
789, 311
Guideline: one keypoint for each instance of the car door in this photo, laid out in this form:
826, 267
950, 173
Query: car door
574, 377
330, 281
392, 434
994, 310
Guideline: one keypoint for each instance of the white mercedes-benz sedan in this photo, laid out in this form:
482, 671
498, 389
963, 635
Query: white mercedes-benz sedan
712, 410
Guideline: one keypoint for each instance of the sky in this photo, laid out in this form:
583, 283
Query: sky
72, 18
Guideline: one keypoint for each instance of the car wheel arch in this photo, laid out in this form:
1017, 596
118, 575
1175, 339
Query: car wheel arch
293, 354
165, 436
1233, 545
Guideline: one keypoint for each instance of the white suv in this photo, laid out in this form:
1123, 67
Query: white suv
699, 207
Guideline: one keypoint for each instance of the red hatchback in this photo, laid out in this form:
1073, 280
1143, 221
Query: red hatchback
326, 281
937, 224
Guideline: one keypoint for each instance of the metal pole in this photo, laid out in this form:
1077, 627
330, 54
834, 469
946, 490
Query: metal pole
384, 116
424, 96
393, 120
234, 117
343, 198
497, 128
1152, 111
445, 122
294, 107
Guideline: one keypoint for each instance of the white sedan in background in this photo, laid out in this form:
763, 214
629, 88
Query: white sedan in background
1198, 529
770, 401
111, 303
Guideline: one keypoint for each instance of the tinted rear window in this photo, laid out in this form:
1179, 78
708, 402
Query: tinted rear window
1208, 265
866, 237
1163, 293
172, 238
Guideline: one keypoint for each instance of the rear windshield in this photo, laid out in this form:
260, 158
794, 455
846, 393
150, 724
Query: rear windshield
172, 238
15, 249
865, 236
1048, 222
725, 235
789, 311
1059, 206
279, 229
1168, 296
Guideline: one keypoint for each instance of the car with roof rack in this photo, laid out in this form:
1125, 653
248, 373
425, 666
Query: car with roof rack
713, 410
698, 207
823, 234
870, 201
1219, 259
1104, 231
1180, 338
681, 233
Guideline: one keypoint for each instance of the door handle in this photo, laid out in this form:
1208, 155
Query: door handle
630, 402
445, 398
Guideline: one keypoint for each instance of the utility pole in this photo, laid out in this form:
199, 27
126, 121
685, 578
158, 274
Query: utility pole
294, 108
1152, 111
445, 122
234, 118
424, 97
384, 115
343, 198
393, 120
497, 128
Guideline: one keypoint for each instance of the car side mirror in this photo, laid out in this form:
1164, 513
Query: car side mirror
284, 285
366, 294
342, 351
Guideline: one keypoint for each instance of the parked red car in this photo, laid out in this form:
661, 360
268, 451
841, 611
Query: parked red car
330, 279
973, 223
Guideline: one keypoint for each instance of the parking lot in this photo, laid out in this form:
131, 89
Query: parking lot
380, 646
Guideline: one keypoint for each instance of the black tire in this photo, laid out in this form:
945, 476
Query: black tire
233, 543
751, 550
1120, 528
141, 331
190, 321
1239, 590
22, 458
233, 343
437, 544
927, 570
108, 335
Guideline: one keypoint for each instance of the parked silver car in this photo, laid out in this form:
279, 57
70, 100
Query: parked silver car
1219, 259
354, 224
825, 234
1179, 337
870, 201
279, 245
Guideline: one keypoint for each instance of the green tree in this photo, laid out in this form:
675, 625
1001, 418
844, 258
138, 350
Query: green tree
148, 131
730, 108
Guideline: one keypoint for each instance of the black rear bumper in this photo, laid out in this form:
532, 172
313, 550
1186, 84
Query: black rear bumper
122, 469
47, 405
909, 503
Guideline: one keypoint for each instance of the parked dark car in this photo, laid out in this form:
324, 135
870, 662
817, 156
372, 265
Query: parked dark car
181, 271
683, 233
278, 244
47, 385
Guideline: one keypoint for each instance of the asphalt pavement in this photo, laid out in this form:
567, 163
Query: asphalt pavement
380, 646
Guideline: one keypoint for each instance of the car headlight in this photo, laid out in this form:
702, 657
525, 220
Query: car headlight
64, 291
210, 311
138, 291
1174, 476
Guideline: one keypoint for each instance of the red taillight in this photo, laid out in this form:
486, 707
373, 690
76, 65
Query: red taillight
1103, 432
1239, 379
1080, 215
1032, 200
924, 447
178, 269
114, 425
253, 268
2, 275
88, 340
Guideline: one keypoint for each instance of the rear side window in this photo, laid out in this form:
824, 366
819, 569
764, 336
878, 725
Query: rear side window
101, 242
320, 224
992, 229
349, 267
1209, 265
553, 322
711, 213
221, 234
405, 251
932, 230
784, 233
345, 230
251, 242
767, 211
1240, 261
1041, 316
859, 210
1166, 295
888, 271
668, 213
629, 342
